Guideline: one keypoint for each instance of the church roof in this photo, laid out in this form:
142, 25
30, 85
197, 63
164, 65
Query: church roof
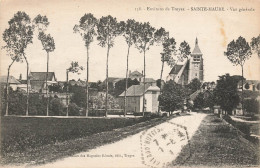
196, 49
176, 69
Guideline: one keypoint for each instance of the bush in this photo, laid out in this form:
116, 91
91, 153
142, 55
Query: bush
56, 107
74, 110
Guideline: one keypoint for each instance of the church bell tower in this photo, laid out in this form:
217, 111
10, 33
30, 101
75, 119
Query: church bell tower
196, 64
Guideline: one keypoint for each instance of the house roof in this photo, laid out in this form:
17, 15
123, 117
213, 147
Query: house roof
112, 79
250, 82
12, 80
41, 76
176, 69
135, 73
138, 90
148, 80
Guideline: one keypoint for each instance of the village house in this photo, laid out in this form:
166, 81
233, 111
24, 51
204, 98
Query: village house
38, 81
13, 82
134, 98
253, 85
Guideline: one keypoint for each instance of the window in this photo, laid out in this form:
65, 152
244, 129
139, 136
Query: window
196, 58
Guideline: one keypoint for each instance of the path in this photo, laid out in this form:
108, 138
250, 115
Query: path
127, 152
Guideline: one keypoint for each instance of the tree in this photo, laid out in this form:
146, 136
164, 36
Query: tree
238, 52
108, 29
199, 101
161, 36
172, 97
226, 94
48, 44
143, 41
14, 57
86, 29
17, 37
255, 44
74, 68
194, 85
184, 51
129, 32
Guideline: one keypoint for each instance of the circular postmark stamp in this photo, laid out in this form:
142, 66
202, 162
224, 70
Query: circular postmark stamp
161, 144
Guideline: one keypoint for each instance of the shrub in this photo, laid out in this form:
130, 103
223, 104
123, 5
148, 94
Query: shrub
74, 110
56, 107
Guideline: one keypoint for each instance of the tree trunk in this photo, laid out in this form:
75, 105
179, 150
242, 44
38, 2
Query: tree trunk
242, 95
126, 78
160, 85
27, 86
108, 47
87, 98
7, 89
144, 84
67, 90
47, 95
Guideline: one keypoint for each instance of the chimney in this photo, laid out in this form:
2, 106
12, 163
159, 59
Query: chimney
20, 77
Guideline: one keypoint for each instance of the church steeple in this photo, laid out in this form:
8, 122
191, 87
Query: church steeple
196, 50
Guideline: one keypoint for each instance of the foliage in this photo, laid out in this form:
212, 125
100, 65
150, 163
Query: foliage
47, 42
108, 29
172, 97
74, 110
255, 44
184, 50
79, 95
128, 30
41, 23
168, 51
199, 101
86, 28
145, 36
56, 107
120, 85
98, 102
18, 35
226, 94
238, 51
204, 101
74, 67
251, 106
194, 85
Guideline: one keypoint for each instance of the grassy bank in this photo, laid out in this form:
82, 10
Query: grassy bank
54, 138
218, 144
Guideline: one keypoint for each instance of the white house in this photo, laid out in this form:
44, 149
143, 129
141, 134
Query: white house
134, 98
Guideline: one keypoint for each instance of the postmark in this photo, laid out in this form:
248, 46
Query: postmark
161, 144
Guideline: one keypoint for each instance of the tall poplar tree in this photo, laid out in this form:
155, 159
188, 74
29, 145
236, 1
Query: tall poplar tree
86, 29
108, 29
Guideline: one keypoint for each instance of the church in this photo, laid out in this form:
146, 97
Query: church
191, 69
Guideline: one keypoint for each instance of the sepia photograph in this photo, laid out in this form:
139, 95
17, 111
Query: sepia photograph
129, 83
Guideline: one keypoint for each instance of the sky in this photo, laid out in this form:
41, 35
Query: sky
214, 30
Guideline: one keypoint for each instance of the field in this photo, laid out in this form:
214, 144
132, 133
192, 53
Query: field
20, 133
40, 140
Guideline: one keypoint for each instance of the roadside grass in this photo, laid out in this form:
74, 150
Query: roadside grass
48, 152
218, 144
